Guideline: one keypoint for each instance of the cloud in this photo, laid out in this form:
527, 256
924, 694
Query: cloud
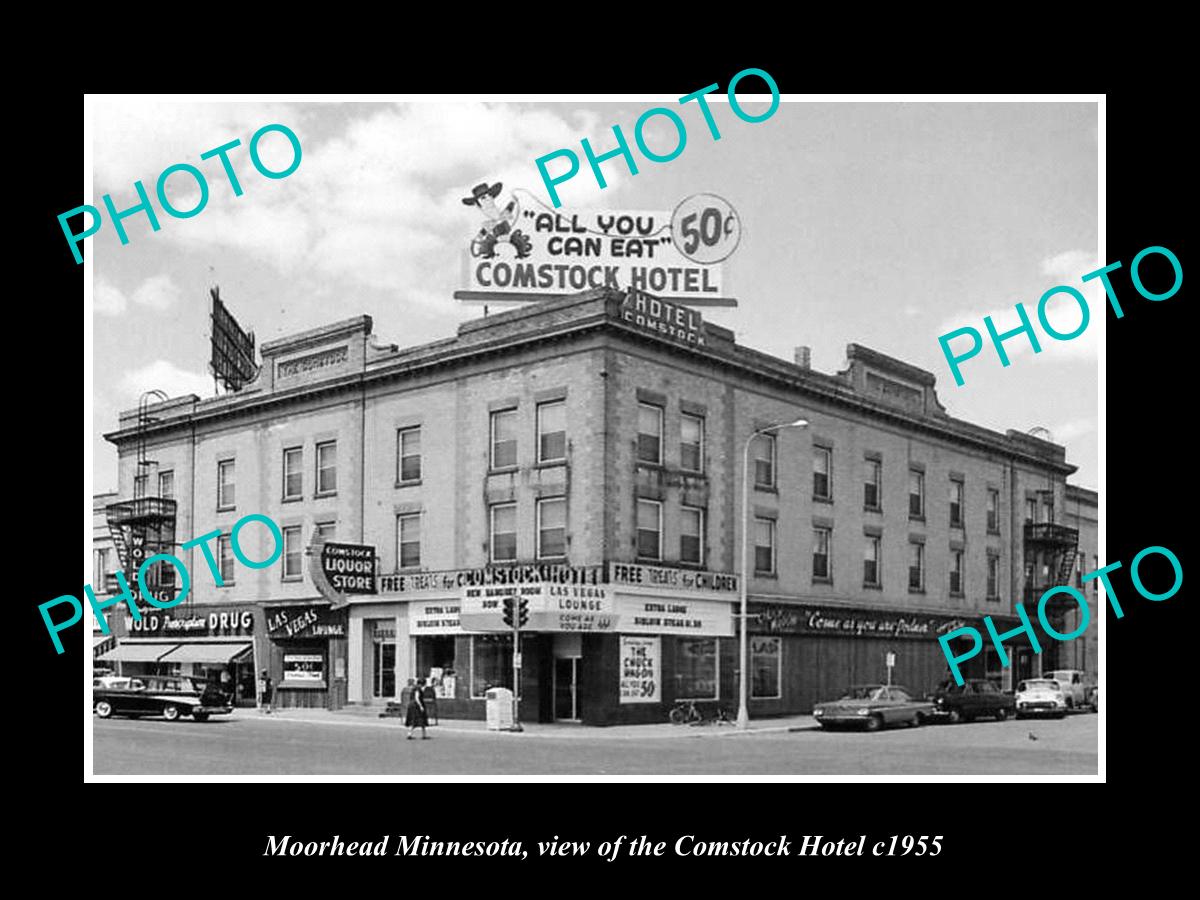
165, 376
158, 292
1074, 428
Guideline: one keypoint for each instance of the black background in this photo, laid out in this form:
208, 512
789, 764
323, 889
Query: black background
986, 826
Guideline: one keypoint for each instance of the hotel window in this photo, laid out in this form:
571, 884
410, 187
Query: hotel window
293, 473
504, 439
649, 529
166, 485
327, 531
822, 473
504, 532
872, 484
649, 442
1031, 510
691, 535
956, 572
225, 559
764, 546
766, 669
993, 577
327, 468
916, 566
956, 503
993, 511
764, 461
139, 486
552, 528
408, 455
101, 572
1095, 581
691, 443
1080, 566
1048, 509
225, 484
552, 431
491, 663
916, 494
871, 562
292, 553
696, 669
820, 563
408, 540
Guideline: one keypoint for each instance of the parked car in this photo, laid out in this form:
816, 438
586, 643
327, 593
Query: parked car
974, 698
171, 696
874, 706
1040, 697
1094, 698
1074, 684
113, 681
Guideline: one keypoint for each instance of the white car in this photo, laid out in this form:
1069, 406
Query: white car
1040, 697
1074, 686
117, 681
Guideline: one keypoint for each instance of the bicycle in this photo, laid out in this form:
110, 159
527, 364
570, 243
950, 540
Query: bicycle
685, 712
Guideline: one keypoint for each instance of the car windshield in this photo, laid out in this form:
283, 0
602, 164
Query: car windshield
866, 692
1039, 684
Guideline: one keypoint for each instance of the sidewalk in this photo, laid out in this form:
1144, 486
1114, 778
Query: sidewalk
368, 717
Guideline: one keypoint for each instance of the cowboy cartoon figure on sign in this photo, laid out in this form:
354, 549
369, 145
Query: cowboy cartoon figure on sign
497, 223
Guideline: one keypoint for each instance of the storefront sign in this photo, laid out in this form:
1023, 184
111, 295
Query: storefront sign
641, 669
687, 580
304, 622
304, 668
837, 622
222, 624
640, 615
550, 607
663, 318
434, 618
455, 579
349, 568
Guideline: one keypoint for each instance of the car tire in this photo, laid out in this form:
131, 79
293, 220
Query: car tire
1070, 704
917, 721
200, 717
1002, 714
874, 723
170, 712
954, 717
104, 709
1060, 715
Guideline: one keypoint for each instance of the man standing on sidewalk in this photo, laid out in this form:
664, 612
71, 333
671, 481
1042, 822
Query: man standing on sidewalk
265, 692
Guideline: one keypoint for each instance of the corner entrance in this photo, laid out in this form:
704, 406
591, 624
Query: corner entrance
568, 666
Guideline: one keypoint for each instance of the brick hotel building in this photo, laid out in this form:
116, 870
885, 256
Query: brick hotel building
585, 452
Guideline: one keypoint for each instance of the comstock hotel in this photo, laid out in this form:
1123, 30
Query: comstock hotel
585, 452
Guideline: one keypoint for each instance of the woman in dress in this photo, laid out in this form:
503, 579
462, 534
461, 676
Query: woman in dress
416, 715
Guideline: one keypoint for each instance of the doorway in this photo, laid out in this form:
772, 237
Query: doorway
567, 707
385, 669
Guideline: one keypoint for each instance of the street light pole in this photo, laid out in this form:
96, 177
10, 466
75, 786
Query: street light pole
743, 717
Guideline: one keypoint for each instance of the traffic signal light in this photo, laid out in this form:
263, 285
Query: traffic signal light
508, 611
522, 613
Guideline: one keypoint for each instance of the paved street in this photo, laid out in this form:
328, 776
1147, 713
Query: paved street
323, 744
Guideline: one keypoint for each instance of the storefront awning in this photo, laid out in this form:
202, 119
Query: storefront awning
136, 653
209, 653
98, 639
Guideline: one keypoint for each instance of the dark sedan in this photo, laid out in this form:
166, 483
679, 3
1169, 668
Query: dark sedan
168, 696
873, 706
974, 698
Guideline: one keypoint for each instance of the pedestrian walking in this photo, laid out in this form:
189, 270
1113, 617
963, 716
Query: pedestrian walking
266, 692
416, 714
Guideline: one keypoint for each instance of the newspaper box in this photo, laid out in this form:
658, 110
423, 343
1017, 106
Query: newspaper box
499, 709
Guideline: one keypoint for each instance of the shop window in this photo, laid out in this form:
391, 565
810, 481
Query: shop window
821, 569
916, 494
552, 431
292, 553
993, 577
956, 572
166, 485
764, 461
293, 473
764, 546
822, 473
225, 559
993, 511
956, 504
437, 663
872, 483
766, 667
327, 468
491, 663
408, 540
871, 562
649, 529
691, 443
696, 669
649, 441
691, 535
916, 567
225, 484
552, 528
504, 438
504, 532
408, 455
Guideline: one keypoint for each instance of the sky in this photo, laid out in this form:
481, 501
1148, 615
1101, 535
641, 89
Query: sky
883, 224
